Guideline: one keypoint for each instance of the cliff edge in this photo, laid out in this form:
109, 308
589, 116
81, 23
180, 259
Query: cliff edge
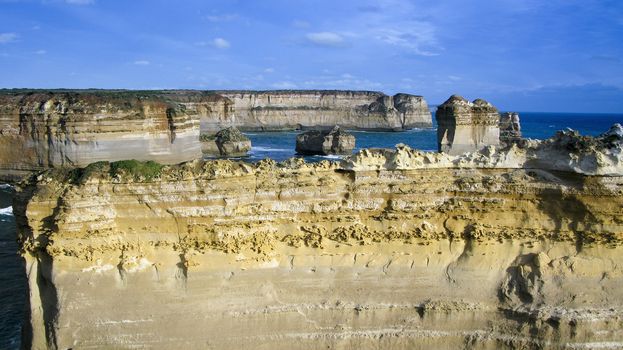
499, 248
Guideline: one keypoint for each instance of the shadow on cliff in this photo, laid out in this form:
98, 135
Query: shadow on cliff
36, 248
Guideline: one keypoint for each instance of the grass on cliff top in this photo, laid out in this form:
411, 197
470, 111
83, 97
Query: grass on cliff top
148, 170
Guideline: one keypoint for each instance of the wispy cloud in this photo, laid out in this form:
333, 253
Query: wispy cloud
269, 70
8, 37
221, 43
142, 63
329, 39
222, 17
284, 85
300, 24
40, 52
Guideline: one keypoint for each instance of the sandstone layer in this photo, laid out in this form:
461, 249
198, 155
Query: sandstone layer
39, 130
497, 249
464, 126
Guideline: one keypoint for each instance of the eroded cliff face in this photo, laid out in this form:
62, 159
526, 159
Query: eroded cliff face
67, 129
389, 249
365, 110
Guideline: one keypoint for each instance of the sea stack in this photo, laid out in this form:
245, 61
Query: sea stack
465, 126
336, 141
510, 128
229, 142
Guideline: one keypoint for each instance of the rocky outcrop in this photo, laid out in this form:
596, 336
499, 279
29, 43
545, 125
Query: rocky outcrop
464, 126
229, 142
39, 130
506, 248
510, 128
336, 141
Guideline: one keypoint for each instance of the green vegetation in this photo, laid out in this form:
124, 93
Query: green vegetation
207, 137
148, 170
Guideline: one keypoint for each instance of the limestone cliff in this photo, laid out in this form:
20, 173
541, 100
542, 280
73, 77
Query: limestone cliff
501, 248
300, 109
464, 126
44, 129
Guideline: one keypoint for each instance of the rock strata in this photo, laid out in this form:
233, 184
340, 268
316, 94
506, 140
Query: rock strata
464, 126
510, 128
502, 248
229, 142
335, 141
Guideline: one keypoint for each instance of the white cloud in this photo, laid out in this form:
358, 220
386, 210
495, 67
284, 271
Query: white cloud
41, 52
222, 18
221, 43
326, 39
7, 37
80, 2
142, 63
269, 70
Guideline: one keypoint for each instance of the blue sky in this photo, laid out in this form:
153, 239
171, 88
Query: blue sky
527, 55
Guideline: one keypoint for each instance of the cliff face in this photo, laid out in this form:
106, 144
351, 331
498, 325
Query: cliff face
41, 130
388, 249
464, 126
279, 110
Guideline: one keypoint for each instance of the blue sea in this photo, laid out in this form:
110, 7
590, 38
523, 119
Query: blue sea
276, 145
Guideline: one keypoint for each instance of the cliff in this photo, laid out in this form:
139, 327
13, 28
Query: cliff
287, 110
516, 247
464, 126
39, 130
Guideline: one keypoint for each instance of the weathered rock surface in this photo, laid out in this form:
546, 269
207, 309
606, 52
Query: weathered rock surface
464, 126
510, 128
300, 109
516, 248
229, 142
334, 141
67, 129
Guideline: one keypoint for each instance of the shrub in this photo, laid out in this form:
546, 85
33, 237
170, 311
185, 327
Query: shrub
138, 170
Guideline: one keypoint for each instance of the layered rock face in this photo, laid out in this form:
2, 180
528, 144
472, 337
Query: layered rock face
229, 142
501, 248
336, 141
288, 110
41, 130
464, 126
510, 128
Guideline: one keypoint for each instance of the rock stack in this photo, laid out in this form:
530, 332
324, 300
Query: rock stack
510, 128
321, 142
229, 142
465, 126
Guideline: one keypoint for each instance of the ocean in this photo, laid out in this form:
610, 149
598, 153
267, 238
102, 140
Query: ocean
278, 146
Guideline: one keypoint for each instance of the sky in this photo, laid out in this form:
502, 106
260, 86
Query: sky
525, 55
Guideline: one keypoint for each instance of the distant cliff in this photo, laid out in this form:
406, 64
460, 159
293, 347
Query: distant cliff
41, 129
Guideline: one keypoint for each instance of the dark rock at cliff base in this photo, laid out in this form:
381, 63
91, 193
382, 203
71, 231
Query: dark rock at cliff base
510, 128
229, 142
336, 141
465, 126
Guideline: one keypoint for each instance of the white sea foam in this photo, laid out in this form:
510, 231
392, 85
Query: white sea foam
6, 211
5, 186
332, 156
269, 149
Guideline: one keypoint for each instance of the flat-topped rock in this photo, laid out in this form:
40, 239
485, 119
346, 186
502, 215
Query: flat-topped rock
229, 142
465, 126
335, 141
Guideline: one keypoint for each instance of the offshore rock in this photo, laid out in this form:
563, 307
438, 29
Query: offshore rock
335, 141
503, 248
510, 128
465, 126
229, 142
